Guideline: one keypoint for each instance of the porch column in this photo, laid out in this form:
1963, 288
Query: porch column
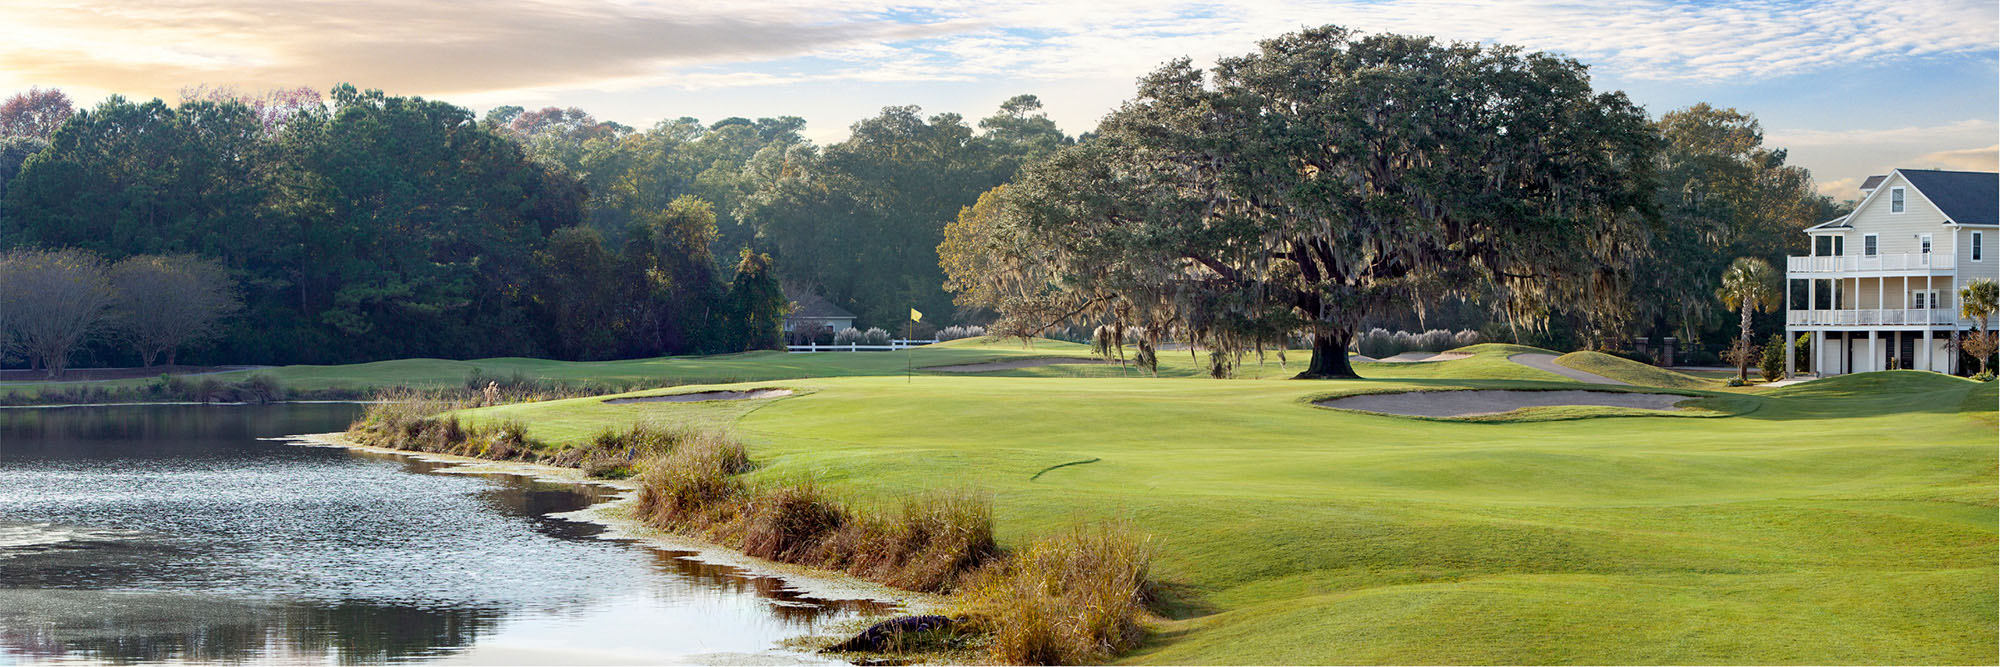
1791, 354
1926, 354
1819, 353
1812, 300
1874, 360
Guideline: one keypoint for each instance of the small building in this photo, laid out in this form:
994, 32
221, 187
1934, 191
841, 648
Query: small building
1880, 285
812, 314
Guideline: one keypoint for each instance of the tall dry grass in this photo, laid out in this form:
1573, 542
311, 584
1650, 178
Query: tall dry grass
928, 544
1076, 597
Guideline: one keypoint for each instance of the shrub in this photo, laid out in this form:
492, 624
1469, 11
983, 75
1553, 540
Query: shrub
259, 388
1771, 362
1073, 598
1466, 337
874, 336
1983, 376
1737, 382
1377, 343
849, 336
1434, 340
956, 332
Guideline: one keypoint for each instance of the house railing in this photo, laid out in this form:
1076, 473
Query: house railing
1903, 261
894, 344
1873, 317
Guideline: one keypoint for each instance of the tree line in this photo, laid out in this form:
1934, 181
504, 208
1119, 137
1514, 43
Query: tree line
362, 226
1332, 181
1328, 183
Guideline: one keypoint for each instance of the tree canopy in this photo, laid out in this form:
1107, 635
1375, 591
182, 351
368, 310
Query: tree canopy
1328, 174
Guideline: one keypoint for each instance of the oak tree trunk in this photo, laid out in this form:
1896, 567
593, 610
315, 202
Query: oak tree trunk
1329, 360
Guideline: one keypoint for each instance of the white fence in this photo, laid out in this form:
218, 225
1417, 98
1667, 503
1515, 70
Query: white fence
1906, 261
895, 344
1871, 317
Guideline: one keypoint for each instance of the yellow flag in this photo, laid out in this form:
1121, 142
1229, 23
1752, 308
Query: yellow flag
916, 316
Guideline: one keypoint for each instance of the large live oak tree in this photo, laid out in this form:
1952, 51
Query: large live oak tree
1297, 188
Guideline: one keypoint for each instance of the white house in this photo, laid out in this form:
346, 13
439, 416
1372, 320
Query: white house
1880, 285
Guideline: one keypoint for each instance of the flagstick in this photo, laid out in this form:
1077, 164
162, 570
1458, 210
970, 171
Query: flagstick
909, 361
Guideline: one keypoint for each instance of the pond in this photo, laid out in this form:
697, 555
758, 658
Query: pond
174, 534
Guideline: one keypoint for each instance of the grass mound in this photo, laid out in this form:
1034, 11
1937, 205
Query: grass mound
1855, 385
1632, 372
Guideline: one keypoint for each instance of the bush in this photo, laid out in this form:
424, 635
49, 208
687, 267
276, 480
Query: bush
874, 336
1771, 360
956, 332
1737, 382
1377, 343
1703, 358
1074, 598
848, 336
1983, 376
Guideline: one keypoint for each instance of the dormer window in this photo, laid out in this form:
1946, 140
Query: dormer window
1895, 200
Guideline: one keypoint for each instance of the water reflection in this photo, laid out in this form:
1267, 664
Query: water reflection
164, 534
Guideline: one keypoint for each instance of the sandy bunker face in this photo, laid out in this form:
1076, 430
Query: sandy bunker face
704, 396
1473, 403
1011, 365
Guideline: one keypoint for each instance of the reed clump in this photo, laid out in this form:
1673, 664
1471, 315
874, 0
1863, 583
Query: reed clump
929, 544
1076, 597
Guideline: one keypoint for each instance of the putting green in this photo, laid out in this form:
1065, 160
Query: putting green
1849, 520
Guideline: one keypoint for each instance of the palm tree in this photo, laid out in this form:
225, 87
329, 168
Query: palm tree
1978, 301
1750, 284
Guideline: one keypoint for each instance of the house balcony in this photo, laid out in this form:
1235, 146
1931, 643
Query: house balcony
1873, 317
1905, 262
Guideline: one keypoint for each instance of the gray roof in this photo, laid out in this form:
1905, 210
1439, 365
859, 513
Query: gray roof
815, 307
1871, 183
1967, 197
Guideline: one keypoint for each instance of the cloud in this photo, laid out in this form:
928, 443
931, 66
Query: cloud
445, 47
1968, 131
430, 47
1968, 159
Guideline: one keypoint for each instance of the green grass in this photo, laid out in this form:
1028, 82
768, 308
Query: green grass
742, 367
1632, 372
1849, 520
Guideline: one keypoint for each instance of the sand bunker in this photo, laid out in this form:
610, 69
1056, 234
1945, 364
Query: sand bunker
1414, 357
1011, 365
704, 396
1473, 403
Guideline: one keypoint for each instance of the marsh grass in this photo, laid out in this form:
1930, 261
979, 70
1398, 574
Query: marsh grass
1076, 597
928, 544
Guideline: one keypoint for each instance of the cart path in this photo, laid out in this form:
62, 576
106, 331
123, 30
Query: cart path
1547, 362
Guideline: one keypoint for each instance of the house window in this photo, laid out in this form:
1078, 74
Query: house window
1868, 245
1839, 245
1895, 200
1922, 299
1977, 242
1925, 241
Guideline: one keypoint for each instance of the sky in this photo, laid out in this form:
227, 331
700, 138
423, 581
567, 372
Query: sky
1849, 87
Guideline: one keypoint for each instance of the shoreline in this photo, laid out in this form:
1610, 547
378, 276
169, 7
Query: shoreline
616, 518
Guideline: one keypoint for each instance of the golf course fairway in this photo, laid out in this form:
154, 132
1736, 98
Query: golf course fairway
1846, 520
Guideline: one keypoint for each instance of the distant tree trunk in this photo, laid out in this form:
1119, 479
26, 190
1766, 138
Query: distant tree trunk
1329, 360
1743, 357
146, 358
